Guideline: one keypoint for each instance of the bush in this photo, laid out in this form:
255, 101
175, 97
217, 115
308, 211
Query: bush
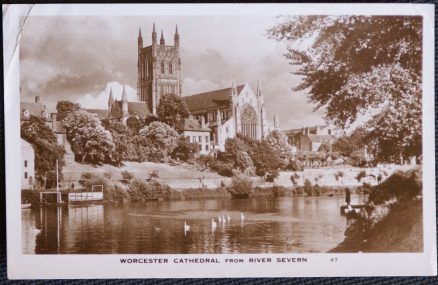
222, 168
295, 165
401, 185
111, 193
241, 185
308, 187
30, 196
140, 191
279, 191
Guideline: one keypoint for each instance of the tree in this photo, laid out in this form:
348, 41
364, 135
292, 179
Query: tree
361, 175
47, 150
185, 150
172, 110
134, 124
241, 185
362, 68
88, 139
236, 150
123, 139
264, 157
157, 141
279, 142
294, 179
63, 108
271, 176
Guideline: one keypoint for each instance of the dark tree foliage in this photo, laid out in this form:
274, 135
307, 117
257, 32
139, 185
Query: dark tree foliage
47, 150
134, 124
185, 150
172, 110
123, 139
362, 67
63, 108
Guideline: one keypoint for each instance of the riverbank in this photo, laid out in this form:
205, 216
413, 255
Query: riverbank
400, 231
394, 222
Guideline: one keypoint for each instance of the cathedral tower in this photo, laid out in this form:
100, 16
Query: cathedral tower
159, 69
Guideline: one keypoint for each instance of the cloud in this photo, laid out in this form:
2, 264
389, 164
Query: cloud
100, 100
78, 58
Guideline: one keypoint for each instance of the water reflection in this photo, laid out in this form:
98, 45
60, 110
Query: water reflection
271, 225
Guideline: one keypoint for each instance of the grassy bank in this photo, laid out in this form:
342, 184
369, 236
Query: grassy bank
393, 221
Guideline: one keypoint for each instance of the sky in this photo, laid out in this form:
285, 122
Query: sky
79, 58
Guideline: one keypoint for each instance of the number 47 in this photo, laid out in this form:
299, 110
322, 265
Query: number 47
334, 259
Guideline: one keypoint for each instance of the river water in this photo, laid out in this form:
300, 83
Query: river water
271, 225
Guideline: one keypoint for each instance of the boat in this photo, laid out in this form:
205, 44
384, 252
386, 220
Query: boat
26, 205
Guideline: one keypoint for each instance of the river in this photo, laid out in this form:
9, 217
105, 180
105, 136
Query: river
271, 225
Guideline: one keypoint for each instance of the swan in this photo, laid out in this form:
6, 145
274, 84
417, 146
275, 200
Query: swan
219, 218
293, 242
242, 217
213, 224
157, 228
186, 227
223, 219
228, 217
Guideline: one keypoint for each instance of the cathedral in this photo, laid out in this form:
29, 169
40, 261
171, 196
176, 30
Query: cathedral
225, 112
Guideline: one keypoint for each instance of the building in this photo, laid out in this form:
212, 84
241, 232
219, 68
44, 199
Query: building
38, 109
310, 138
27, 165
196, 131
230, 111
159, 69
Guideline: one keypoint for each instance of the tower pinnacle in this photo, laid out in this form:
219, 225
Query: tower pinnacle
176, 37
162, 39
154, 35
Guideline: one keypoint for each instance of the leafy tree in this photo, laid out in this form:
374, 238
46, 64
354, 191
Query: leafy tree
47, 150
63, 108
361, 175
88, 139
157, 141
172, 110
271, 176
362, 68
265, 158
308, 188
185, 150
294, 179
124, 144
279, 142
238, 152
134, 124
241, 185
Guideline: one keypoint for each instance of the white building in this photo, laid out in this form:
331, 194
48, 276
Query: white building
27, 165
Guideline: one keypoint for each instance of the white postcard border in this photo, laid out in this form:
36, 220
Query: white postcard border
21, 266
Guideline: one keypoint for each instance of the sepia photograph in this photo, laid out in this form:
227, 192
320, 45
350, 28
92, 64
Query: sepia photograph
214, 134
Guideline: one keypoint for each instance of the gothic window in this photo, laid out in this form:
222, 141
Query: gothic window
25, 163
25, 175
162, 67
170, 68
249, 122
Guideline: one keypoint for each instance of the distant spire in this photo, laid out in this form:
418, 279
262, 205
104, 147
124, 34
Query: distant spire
259, 88
111, 98
233, 86
124, 95
154, 35
176, 37
162, 38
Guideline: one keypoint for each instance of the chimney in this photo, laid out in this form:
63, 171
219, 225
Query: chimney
202, 122
37, 99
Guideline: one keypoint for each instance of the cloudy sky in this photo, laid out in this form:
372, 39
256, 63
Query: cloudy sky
79, 58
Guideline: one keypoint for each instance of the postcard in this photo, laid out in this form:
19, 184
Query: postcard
219, 140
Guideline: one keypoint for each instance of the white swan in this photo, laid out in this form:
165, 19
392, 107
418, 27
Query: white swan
242, 217
186, 227
219, 218
228, 217
213, 224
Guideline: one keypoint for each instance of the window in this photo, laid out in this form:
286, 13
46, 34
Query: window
25, 163
200, 139
170, 68
194, 139
162, 67
206, 147
188, 138
207, 139
25, 175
